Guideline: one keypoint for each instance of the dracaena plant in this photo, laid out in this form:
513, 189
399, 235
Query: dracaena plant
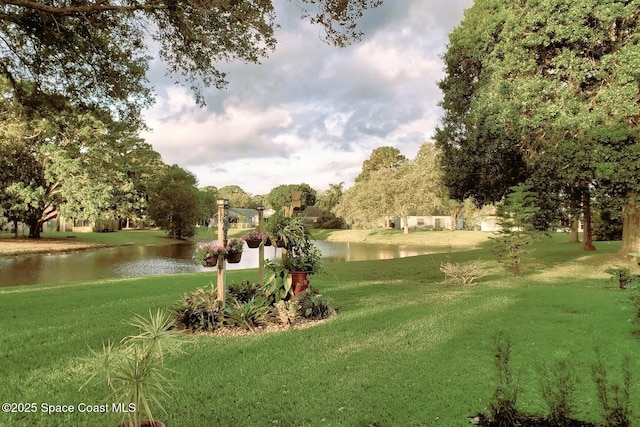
134, 370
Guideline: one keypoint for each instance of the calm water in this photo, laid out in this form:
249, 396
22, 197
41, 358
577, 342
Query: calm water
134, 261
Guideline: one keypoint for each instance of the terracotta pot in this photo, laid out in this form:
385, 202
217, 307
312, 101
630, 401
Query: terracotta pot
299, 281
253, 243
234, 257
210, 262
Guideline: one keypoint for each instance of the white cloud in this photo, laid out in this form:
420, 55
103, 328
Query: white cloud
311, 112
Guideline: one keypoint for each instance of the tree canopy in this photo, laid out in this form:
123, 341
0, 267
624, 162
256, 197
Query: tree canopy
175, 202
525, 79
97, 52
381, 158
407, 188
281, 195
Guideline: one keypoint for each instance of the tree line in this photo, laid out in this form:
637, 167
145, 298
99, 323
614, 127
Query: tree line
73, 80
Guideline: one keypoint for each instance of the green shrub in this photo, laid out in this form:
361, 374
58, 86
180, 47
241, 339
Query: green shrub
614, 399
634, 299
314, 306
515, 218
623, 275
559, 383
244, 290
198, 310
502, 406
250, 314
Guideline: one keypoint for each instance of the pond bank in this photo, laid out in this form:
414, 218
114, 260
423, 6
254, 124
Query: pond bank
61, 242
58, 242
460, 239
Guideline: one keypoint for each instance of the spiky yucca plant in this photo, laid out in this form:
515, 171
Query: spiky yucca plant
135, 370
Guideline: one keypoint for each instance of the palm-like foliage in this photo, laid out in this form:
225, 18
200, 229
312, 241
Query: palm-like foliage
135, 370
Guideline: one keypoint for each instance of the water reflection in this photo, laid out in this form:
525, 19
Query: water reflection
134, 261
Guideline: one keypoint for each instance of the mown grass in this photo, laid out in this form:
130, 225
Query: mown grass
118, 238
406, 349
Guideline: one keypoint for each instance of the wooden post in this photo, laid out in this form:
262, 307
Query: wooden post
261, 248
222, 235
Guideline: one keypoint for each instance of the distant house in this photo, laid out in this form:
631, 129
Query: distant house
430, 222
311, 214
81, 226
240, 218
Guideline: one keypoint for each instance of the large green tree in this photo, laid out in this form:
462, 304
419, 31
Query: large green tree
280, 196
238, 198
410, 188
554, 74
96, 52
330, 197
75, 162
381, 158
175, 202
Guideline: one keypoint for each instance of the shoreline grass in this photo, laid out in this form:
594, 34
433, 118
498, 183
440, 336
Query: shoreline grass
406, 348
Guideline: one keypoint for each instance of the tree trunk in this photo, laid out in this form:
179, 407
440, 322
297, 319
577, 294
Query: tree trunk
34, 227
575, 221
573, 231
15, 228
454, 219
587, 243
405, 219
631, 225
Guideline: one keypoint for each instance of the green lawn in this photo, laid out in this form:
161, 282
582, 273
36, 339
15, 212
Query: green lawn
407, 349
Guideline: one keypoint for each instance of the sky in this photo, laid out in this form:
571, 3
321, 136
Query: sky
311, 112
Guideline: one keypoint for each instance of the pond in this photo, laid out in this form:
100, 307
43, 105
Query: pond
135, 261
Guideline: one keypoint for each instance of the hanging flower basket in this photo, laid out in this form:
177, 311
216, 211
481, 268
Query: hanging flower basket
208, 254
212, 261
253, 243
234, 250
234, 257
254, 238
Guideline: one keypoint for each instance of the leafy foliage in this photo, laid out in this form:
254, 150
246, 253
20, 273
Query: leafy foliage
614, 398
381, 158
280, 196
135, 371
622, 275
515, 218
559, 384
249, 314
394, 187
502, 406
174, 202
312, 305
518, 93
199, 310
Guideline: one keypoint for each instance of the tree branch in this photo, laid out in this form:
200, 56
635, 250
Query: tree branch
99, 6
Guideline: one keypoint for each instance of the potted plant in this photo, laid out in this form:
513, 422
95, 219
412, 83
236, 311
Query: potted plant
286, 232
302, 261
234, 250
254, 238
135, 370
208, 254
